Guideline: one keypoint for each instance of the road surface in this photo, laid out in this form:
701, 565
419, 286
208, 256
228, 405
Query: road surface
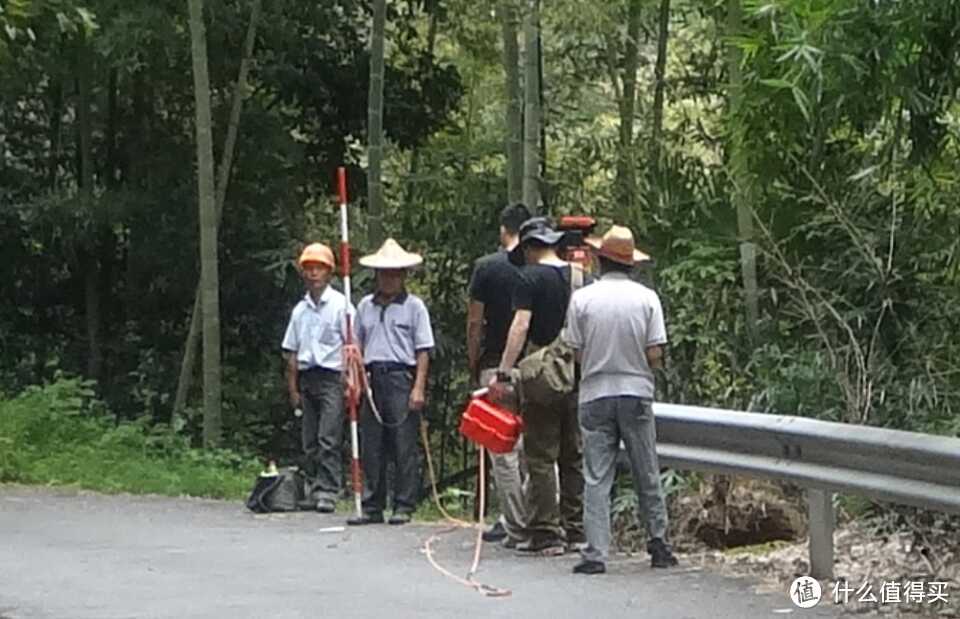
71, 555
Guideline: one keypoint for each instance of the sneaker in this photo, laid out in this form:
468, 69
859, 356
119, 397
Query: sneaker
660, 554
326, 506
370, 518
547, 546
495, 533
589, 567
510, 543
576, 541
399, 518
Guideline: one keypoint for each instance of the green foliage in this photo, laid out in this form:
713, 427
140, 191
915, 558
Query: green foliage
60, 434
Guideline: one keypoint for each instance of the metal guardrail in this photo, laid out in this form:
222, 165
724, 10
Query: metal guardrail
822, 456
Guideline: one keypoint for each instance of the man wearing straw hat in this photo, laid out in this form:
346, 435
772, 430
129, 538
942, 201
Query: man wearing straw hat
394, 333
616, 326
313, 346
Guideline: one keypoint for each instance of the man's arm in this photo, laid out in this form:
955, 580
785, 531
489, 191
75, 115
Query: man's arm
655, 357
418, 394
293, 388
515, 339
474, 332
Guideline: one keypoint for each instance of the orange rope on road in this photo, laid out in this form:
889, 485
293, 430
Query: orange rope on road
479, 587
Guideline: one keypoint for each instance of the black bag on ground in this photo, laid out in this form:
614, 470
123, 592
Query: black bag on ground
277, 492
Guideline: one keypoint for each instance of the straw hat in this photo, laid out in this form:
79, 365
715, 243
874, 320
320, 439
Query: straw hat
391, 256
617, 245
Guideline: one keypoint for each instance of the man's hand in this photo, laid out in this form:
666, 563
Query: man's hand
498, 390
417, 399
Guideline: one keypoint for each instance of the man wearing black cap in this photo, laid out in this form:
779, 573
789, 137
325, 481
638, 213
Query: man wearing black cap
551, 433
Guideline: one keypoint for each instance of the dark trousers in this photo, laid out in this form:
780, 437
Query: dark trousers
551, 438
393, 441
322, 431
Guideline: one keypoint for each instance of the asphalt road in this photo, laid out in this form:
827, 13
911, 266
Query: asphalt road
79, 555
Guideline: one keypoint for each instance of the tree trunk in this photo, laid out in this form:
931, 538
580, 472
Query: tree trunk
111, 175
375, 125
659, 84
531, 117
411, 190
56, 127
88, 254
743, 185
514, 108
209, 271
626, 169
185, 380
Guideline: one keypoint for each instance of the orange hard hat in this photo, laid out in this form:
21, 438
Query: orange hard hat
317, 252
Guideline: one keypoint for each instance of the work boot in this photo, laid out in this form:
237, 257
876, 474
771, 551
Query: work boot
589, 567
326, 506
370, 518
576, 541
495, 533
550, 546
660, 554
399, 518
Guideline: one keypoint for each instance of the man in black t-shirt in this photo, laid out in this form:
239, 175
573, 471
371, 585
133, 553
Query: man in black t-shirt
489, 313
551, 433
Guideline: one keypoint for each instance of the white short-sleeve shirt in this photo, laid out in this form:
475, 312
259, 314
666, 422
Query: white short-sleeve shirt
612, 322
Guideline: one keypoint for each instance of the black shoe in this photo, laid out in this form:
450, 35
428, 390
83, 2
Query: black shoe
660, 554
576, 541
399, 518
306, 505
376, 518
326, 506
495, 533
589, 567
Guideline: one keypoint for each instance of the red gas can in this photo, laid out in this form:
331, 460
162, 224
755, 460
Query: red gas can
490, 425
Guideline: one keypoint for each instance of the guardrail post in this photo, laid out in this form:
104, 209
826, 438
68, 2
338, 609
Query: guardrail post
820, 506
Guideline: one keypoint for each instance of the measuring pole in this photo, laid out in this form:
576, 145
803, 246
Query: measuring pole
352, 394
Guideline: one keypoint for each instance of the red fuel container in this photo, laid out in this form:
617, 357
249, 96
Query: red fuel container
490, 425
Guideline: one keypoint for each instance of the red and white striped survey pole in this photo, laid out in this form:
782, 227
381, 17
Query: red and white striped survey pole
352, 394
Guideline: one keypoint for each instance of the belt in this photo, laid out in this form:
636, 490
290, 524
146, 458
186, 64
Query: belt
386, 367
319, 370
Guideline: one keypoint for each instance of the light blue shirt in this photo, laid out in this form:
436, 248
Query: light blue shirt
316, 331
393, 332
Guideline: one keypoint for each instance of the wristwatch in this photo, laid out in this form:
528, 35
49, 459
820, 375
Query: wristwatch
504, 377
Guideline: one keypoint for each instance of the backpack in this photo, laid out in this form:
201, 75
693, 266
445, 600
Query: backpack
547, 375
277, 492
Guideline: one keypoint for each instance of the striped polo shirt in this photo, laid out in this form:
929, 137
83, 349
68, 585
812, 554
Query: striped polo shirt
393, 332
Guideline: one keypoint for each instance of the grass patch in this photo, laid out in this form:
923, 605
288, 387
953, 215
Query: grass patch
59, 434
757, 549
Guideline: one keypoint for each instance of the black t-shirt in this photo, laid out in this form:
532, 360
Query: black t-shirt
492, 284
545, 291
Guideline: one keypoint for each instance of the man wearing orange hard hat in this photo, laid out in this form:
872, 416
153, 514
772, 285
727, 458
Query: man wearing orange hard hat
313, 346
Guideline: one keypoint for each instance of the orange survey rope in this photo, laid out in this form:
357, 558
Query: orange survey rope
468, 581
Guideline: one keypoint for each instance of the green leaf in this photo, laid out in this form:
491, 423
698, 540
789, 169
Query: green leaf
777, 83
